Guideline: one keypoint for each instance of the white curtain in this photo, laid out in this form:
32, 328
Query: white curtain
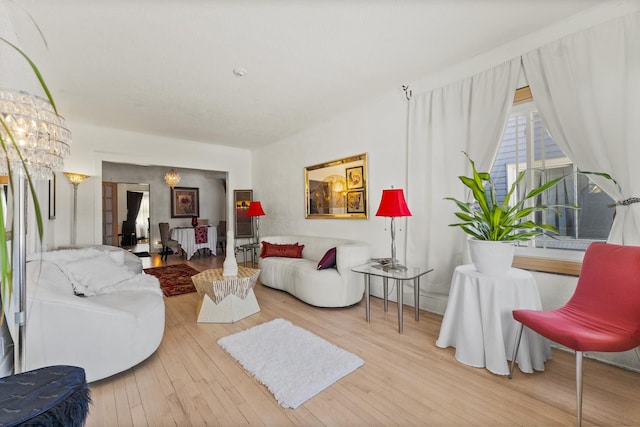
587, 89
470, 116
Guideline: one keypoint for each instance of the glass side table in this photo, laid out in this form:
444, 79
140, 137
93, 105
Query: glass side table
411, 273
251, 248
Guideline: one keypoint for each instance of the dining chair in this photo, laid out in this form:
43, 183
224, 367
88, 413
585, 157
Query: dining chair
603, 314
222, 235
166, 240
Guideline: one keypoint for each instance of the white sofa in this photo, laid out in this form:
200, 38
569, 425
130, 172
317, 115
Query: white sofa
117, 327
333, 287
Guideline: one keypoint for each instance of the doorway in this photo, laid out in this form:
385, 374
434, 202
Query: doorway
126, 215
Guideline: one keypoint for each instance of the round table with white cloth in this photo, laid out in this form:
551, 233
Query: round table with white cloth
479, 323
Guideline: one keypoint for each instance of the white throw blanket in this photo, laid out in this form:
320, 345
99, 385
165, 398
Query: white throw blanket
94, 272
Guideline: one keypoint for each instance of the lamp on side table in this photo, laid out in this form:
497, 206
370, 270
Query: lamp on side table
393, 204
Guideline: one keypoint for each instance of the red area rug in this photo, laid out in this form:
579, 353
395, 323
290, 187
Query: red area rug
174, 279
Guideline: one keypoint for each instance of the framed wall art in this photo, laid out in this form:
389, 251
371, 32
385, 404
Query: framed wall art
337, 189
242, 199
185, 202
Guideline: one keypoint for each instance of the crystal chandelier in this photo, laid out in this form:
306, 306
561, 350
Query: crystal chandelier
40, 134
172, 178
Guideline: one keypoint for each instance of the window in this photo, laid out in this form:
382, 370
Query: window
527, 144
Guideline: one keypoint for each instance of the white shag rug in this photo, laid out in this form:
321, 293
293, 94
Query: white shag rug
290, 361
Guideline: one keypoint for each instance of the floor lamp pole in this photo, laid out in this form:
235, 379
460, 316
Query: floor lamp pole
75, 213
19, 273
257, 229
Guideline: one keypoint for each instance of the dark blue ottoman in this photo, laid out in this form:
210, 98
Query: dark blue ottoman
51, 396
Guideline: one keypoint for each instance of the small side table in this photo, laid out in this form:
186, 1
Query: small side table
251, 248
479, 322
225, 299
411, 273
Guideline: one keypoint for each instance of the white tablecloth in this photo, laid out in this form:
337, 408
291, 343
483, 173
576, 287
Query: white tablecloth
186, 236
478, 321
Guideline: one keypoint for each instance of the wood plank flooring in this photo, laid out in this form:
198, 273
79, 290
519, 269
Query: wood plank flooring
406, 379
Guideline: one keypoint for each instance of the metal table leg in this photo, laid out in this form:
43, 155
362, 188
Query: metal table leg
385, 289
399, 284
367, 286
416, 296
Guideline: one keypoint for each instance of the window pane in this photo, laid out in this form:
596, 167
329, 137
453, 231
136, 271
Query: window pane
525, 133
596, 214
512, 157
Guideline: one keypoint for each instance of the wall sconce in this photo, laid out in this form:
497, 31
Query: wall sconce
172, 178
76, 179
393, 204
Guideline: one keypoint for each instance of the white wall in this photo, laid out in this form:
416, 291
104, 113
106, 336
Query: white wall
93, 145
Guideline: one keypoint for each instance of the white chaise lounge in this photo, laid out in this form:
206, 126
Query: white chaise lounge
120, 323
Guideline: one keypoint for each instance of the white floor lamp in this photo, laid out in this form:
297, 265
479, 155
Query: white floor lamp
76, 179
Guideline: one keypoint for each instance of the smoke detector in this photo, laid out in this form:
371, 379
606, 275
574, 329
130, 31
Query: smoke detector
239, 71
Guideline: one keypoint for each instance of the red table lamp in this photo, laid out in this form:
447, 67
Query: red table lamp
255, 210
393, 204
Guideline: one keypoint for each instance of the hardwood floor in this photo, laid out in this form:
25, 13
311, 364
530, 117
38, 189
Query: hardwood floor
406, 379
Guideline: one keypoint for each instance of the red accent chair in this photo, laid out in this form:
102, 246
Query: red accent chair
602, 315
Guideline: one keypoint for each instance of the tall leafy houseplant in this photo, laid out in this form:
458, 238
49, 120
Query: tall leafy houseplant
486, 220
11, 147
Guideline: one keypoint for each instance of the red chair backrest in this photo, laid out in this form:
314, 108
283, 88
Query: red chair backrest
608, 288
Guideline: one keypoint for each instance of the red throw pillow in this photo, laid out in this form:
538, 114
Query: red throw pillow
284, 250
328, 260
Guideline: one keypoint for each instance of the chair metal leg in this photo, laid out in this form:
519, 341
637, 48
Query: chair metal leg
579, 388
515, 349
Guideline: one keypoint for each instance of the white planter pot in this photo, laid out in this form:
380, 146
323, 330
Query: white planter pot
491, 257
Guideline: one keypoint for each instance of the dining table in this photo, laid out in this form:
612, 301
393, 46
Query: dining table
193, 239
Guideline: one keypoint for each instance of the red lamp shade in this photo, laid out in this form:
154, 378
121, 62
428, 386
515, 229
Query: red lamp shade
393, 203
255, 209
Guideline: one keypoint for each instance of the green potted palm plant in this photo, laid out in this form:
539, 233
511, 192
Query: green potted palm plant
487, 220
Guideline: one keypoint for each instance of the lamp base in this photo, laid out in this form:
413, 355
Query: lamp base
394, 267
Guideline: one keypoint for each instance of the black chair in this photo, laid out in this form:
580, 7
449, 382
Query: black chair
129, 237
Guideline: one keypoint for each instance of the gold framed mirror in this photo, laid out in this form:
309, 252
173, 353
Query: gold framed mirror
337, 189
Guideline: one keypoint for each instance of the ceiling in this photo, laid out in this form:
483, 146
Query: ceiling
166, 66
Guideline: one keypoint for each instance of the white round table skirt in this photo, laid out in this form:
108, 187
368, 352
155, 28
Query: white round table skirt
479, 323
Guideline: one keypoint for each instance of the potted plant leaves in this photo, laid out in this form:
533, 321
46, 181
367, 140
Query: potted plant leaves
494, 227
